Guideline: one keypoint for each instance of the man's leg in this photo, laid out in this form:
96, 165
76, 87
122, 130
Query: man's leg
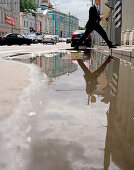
101, 31
85, 35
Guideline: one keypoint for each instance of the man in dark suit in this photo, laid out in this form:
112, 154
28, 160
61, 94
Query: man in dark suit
94, 24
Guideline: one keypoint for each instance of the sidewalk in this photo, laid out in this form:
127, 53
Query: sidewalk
14, 78
123, 52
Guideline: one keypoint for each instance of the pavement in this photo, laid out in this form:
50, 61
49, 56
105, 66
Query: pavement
15, 76
50, 123
11, 85
10, 93
123, 52
33, 49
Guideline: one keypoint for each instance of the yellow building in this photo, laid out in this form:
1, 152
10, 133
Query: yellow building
105, 11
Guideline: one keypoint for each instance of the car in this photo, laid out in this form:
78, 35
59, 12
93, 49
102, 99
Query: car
68, 40
60, 40
49, 39
76, 37
57, 38
33, 37
14, 39
39, 38
64, 39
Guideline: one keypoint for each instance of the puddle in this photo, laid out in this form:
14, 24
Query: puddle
87, 119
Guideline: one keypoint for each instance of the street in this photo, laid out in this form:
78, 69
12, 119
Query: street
51, 118
66, 85
6, 51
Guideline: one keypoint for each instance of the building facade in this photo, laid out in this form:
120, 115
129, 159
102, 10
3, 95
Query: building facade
37, 24
127, 15
62, 24
9, 16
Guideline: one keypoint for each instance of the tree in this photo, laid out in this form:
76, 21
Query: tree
81, 28
28, 6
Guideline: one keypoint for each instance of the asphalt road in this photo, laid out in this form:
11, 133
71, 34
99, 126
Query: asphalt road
66, 117
6, 51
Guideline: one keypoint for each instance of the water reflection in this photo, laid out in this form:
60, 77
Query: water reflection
120, 135
54, 64
69, 128
91, 78
119, 92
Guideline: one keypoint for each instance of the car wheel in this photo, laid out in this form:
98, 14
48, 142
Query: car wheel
28, 43
72, 45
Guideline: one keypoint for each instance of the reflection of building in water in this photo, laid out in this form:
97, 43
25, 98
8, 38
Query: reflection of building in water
120, 135
55, 65
119, 92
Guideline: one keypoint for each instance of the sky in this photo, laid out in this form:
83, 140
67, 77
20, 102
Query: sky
78, 8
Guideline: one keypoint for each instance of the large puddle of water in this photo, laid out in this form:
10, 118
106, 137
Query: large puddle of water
87, 120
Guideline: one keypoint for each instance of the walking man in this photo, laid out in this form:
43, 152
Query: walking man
94, 24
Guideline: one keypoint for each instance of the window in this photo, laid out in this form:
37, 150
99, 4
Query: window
12, 35
19, 36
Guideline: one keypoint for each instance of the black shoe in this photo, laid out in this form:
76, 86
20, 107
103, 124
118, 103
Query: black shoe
110, 58
113, 45
76, 47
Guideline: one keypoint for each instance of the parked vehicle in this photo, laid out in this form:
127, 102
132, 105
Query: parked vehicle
49, 39
68, 40
57, 38
39, 38
76, 37
64, 39
60, 40
14, 39
33, 37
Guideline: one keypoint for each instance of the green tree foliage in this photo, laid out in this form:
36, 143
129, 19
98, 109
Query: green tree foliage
28, 6
81, 28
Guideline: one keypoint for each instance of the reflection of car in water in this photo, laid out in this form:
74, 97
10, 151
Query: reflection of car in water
33, 38
76, 37
14, 39
49, 39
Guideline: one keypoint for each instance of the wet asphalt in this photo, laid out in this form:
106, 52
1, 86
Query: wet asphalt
77, 114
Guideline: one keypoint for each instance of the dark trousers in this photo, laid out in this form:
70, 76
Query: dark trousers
98, 28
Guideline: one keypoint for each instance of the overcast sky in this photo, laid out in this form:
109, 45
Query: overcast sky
78, 8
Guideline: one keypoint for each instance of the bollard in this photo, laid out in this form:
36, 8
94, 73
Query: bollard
127, 37
126, 96
122, 37
131, 37
120, 91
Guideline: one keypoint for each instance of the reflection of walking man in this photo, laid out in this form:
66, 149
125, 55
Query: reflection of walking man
94, 24
91, 78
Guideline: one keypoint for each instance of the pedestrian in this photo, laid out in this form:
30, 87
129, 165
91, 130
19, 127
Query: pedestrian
94, 24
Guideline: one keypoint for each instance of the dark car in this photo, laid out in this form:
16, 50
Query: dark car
68, 40
76, 37
14, 39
